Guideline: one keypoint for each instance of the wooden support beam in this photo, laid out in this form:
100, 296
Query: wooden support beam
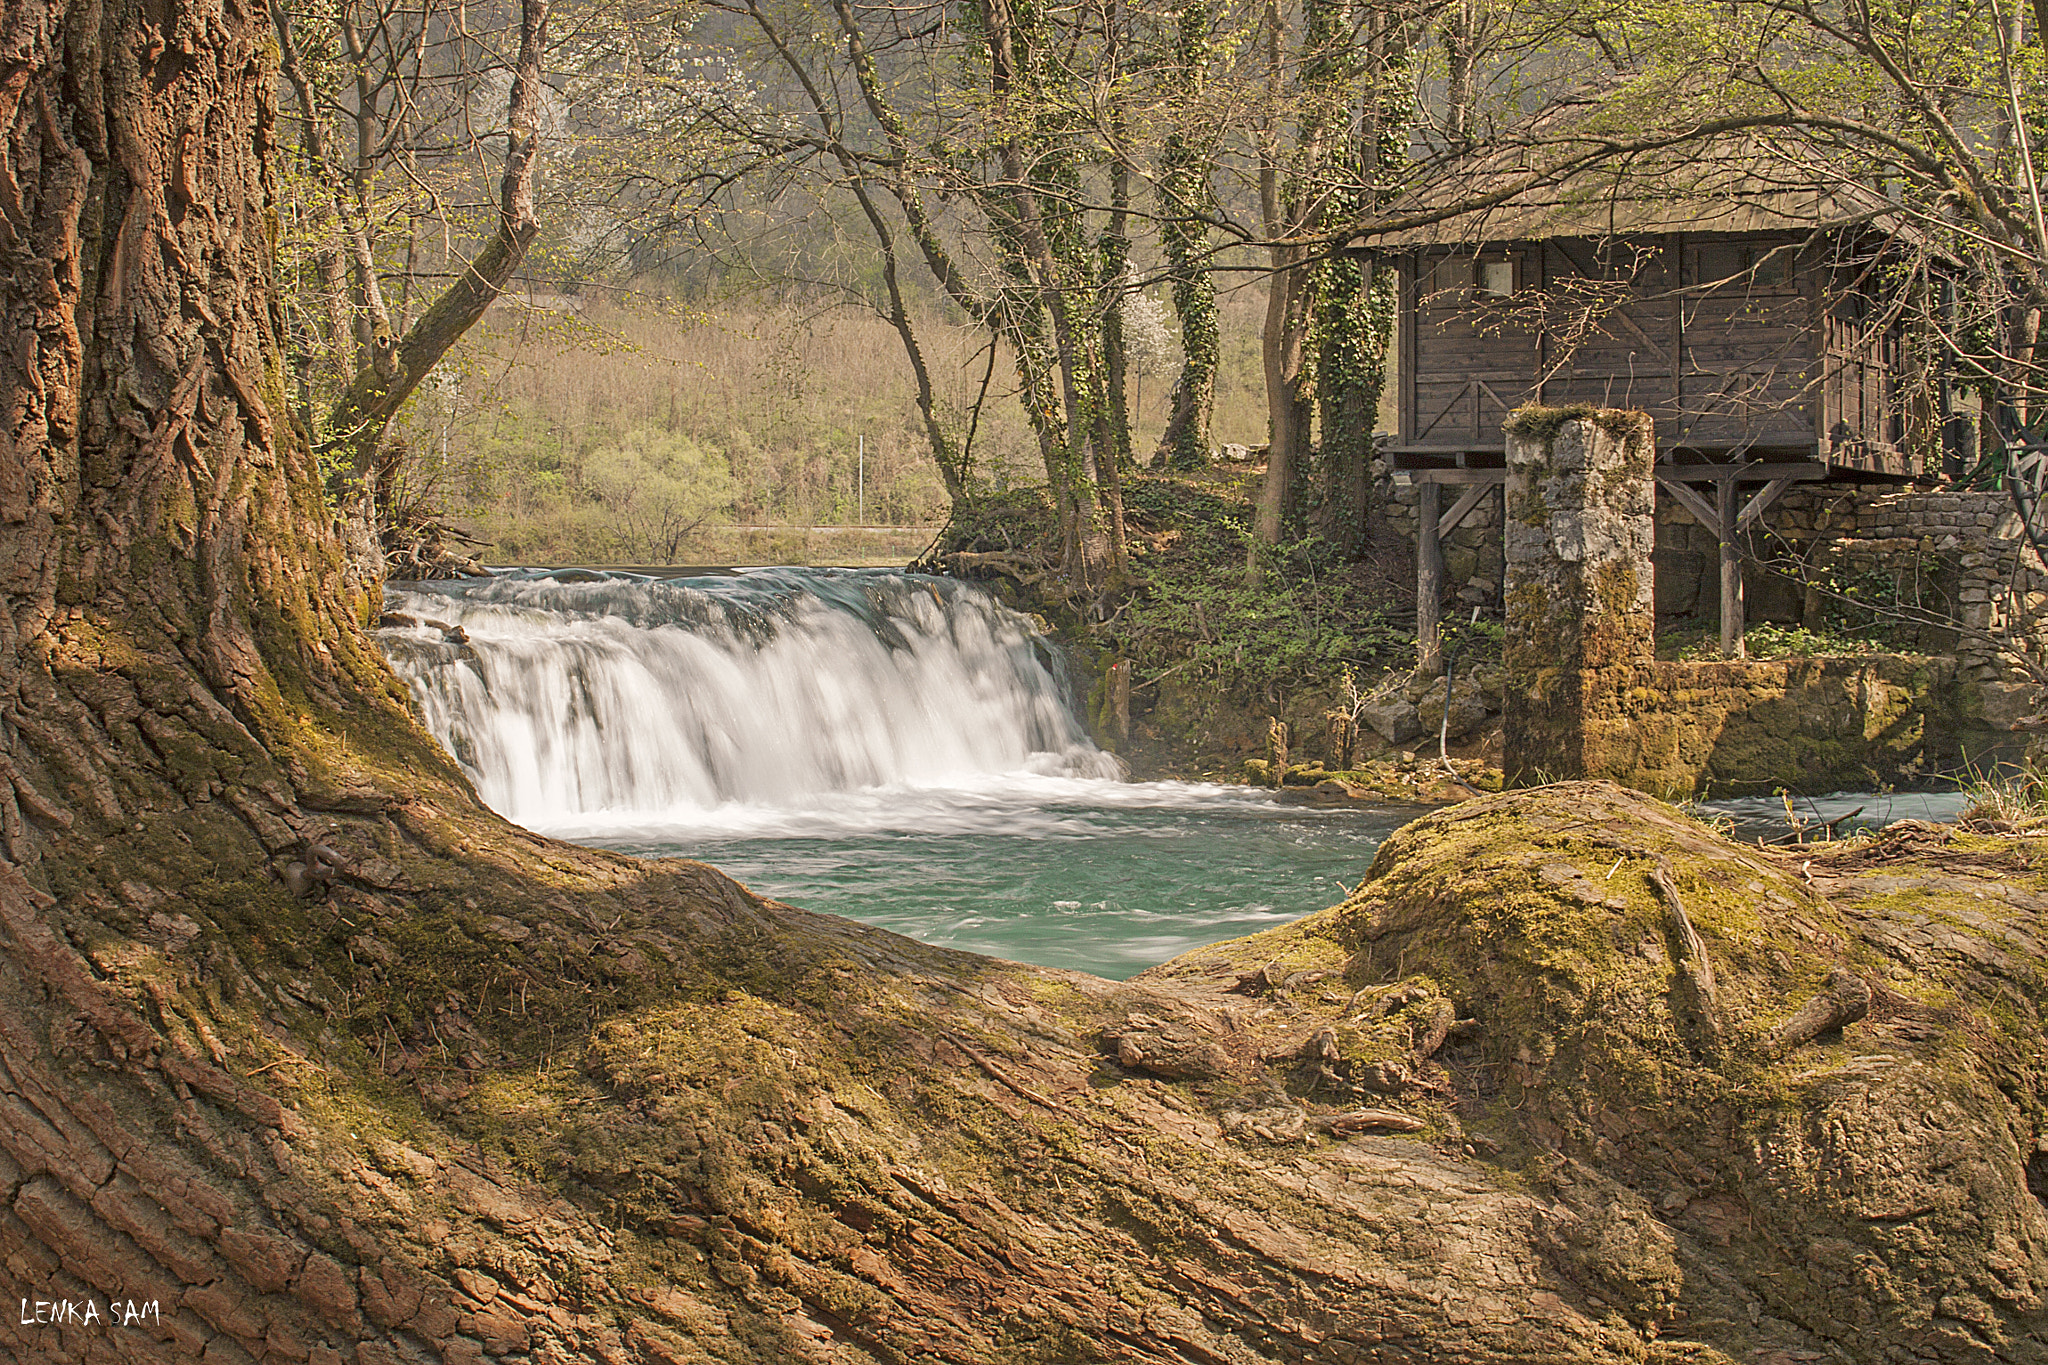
1429, 583
1725, 499
1728, 516
1459, 509
1756, 472
1761, 503
1423, 476
1691, 500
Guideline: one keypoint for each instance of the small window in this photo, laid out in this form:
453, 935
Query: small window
1497, 277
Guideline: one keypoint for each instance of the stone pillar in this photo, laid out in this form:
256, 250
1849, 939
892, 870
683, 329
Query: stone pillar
1581, 615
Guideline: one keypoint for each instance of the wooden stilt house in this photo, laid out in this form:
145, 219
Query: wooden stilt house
1764, 328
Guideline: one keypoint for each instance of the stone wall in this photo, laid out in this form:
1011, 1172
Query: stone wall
1585, 696
1747, 727
1960, 555
1472, 553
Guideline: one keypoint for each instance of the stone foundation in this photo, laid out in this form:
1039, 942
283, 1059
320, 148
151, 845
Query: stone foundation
1959, 558
1586, 698
1745, 727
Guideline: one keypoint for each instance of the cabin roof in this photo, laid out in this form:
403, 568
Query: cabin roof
1557, 175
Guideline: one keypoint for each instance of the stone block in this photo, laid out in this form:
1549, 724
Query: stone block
1579, 539
1396, 722
2002, 705
1468, 713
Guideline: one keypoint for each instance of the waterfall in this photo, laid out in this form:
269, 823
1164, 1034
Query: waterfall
571, 693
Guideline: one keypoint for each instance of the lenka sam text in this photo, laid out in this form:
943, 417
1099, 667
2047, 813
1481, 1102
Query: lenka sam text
89, 1313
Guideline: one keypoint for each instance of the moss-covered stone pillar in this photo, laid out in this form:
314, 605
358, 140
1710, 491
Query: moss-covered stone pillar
1581, 617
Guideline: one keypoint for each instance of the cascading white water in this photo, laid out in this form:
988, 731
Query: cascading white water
569, 695
893, 748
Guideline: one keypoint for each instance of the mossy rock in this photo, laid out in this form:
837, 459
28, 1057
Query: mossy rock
1884, 1182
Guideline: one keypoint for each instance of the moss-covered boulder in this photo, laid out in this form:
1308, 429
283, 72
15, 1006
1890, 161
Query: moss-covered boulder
1648, 1027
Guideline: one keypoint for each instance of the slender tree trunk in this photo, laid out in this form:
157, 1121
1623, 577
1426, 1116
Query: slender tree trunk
1291, 190
951, 462
363, 413
1461, 43
1283, 349
1113, 413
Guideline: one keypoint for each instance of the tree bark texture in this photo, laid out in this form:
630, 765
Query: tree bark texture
471, 1094
1186, 200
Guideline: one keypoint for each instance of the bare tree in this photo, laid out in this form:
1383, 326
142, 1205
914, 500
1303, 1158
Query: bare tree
397, 79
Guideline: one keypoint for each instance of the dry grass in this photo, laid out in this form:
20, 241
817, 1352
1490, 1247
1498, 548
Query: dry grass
2017, 800
783, 394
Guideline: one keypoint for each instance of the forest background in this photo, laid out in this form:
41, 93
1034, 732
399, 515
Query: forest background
808, 266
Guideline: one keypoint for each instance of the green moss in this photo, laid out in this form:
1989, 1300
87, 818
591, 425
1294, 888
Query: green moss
1543, 423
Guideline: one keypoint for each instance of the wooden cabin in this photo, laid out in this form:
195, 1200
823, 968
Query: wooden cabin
1751, 311
1763, 345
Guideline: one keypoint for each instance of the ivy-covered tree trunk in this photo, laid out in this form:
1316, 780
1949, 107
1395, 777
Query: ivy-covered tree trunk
1355, 307
1185, 201
1184, 205
1186, 442
1054, 312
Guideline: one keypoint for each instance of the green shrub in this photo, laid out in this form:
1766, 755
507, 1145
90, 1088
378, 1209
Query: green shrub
1768, 641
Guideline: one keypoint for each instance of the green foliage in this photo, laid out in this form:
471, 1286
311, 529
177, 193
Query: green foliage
658, 488
1766, 640
1473, 643
1307, 617
1859, 600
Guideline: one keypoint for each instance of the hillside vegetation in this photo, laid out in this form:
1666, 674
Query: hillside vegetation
641, 430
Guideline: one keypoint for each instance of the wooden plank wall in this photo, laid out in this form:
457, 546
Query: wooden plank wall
1627, 324
1864, 409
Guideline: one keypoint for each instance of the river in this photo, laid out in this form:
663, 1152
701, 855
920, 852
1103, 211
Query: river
898, 749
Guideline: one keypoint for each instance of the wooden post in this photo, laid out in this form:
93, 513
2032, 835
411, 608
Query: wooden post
1429, 584
1725, 505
